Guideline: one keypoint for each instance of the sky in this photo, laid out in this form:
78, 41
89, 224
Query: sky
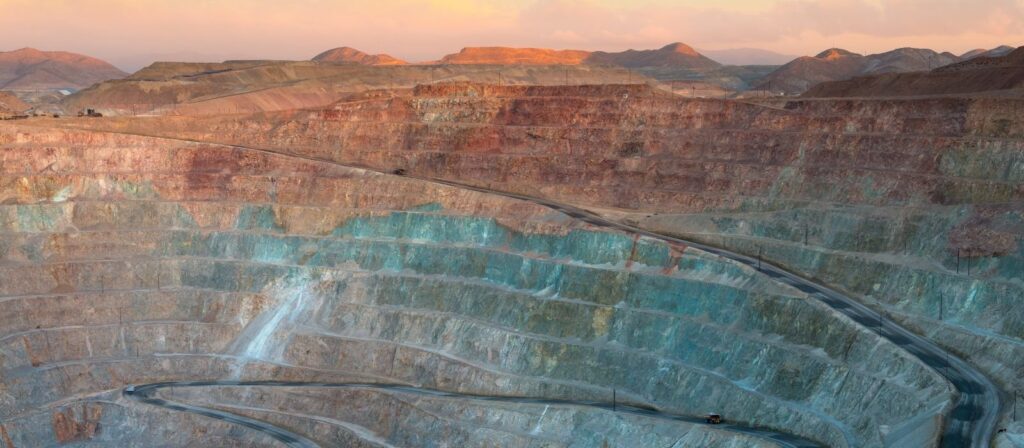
133, 33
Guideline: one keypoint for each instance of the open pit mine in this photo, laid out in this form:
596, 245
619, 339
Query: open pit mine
467, 264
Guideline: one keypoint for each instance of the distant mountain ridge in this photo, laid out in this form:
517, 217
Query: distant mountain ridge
990, 75
672, 55
29, 69
837, 64
1001, 50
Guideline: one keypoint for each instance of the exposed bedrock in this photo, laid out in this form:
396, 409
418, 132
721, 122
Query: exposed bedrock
131, 260
915, 206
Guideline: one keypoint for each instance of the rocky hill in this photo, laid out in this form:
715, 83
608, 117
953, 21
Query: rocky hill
989, 75
1008, 59
352, 56
29, 69
673, 55
835, 64
1001, 50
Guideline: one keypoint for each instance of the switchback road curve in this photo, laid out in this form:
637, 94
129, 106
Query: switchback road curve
147, 394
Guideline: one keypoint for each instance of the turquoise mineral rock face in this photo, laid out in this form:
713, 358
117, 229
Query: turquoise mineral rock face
588, 306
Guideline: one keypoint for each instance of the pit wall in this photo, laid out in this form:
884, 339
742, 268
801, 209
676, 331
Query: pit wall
129, 260
886, 193
874, 197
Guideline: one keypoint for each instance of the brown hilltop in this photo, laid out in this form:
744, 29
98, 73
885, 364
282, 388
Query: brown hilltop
29, 69
802, 73
352, 56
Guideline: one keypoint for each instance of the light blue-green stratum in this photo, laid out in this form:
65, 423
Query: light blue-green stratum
903, 261
896, 258
587, 309
462, 302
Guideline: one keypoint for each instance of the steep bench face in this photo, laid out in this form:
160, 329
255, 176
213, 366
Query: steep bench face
912, 205
130, 260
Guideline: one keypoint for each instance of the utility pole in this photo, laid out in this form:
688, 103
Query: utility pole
941, 299
958, 260
758, 258
614, 402
806, 231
